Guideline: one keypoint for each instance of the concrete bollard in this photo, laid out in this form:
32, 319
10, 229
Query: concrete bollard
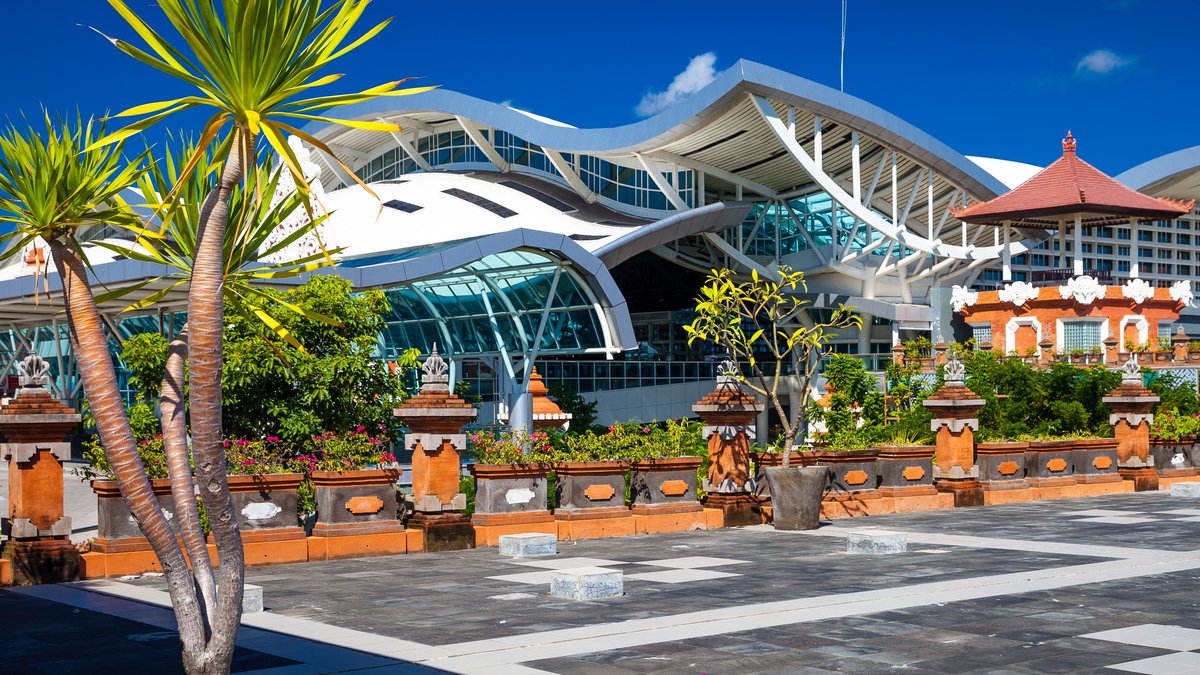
252, 599
528, 545
1185, 490
876, 542
587, 583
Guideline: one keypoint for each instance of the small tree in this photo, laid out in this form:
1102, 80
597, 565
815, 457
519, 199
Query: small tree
761, 320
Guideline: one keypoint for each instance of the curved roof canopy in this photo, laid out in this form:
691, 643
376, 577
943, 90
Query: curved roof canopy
1175, 174
1070, 186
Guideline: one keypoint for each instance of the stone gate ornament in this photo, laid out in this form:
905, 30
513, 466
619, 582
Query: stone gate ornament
1138, 290
1018, 293
33, 371
955, 370
434, 369
728, 371
962, 296
1181, 292
1131, 371
1084, 289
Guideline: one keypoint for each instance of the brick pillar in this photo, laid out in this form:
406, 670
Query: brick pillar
1112, 348
898, 355
435, 418
1131, 418
1045, 352
939, 354
35, 427
1179, 342
954, 408
729, 413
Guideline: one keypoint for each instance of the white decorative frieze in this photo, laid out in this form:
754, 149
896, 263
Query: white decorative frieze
1084, 289
1018, 293
518, 496
261, 510
962, 297
1181, 292
1138, 290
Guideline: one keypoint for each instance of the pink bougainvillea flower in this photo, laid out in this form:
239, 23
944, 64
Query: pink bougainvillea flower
272, 439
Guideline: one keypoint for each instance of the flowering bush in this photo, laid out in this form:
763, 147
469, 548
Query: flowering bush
636, 441
260, 457
1171, 425
151, 450
510, 448
348, 451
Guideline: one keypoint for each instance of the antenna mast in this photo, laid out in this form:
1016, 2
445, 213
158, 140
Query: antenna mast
842, 68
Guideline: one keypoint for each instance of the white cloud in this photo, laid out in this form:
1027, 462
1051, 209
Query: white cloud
696, 76
1101, 62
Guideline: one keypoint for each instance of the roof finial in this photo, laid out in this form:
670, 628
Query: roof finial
1069, 144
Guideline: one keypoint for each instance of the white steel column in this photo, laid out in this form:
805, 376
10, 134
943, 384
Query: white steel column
856, 166
895, 206
1078, 245
1062, 244
864, 333
1134, 268
699, 187
817, 149
1007, 257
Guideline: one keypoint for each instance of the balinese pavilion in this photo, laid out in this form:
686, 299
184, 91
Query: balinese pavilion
1070, 309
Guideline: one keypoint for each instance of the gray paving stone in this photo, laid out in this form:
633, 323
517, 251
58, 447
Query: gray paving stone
528, 545
587, 583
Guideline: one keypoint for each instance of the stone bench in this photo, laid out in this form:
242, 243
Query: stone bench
528, 545
587, 583
876, 542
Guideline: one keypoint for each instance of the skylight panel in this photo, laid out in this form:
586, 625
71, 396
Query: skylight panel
481, 202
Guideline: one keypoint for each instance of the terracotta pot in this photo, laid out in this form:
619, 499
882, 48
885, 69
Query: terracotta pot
853, 470
355, 502
589, 487
905, 467
1049, 463
765, 460
665, 485
1001, 462
510, 488
266, 501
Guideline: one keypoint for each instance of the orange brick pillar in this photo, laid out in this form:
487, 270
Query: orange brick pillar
435, 418
1131, 418
729, 413
954, 407
1111, 349
35, 427
1179, 343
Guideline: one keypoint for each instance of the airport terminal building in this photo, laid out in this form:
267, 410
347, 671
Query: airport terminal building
507, 238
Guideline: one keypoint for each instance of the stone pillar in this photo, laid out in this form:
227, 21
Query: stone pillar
1179, 342
898, 354
954, 408
939, 354
35, 427
729, 413
1112, 348
435, 418
1046, 352
1131, 418
546, 413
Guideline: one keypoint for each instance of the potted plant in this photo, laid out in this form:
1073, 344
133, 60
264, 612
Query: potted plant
589, 477
1171, 438
1049, 460
116, 530
1001, 464
510, 477
905, 466
664, 462
264, 481
354, 484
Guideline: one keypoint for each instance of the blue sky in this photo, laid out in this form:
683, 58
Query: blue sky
1004, 78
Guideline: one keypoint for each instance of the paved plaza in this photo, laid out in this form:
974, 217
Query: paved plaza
1109, 583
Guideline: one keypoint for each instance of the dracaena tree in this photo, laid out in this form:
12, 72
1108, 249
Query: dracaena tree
759, 322
256, 66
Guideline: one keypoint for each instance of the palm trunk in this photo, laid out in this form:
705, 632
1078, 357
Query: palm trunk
206, 321
183, 488
90, 346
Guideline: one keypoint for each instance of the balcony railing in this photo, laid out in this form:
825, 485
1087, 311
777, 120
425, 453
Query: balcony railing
1059, 277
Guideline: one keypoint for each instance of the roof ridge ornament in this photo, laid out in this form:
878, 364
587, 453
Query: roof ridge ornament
1069, 144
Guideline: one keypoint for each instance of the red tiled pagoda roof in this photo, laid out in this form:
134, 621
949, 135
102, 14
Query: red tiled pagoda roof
1067, 187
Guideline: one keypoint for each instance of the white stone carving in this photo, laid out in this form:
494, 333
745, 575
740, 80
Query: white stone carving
955, 370
261, 510
518, 496
1018, 293
962, 296
1131, 371
434, 369
1085, 289
1138, 290
33, 371
1181, 292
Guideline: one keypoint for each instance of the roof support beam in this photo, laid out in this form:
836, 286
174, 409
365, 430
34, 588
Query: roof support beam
666, 188
804, 231
410, 150
757, 188
343, 153
410, 123
482, 143
336, 169
570, 175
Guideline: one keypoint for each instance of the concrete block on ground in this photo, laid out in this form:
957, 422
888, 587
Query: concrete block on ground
252, 599
528, 545
876, 542
1185, 490
587, 583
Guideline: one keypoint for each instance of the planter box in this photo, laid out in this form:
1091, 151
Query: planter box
1002, 465
1164, 452
116, 530
508, 494
854, 472
905, 470
353, 503
590, 490
1095, 460
266, 506
1050, 463
665, 485
764, 460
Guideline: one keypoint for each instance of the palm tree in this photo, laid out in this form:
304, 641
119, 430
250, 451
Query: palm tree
254, 63
55, 185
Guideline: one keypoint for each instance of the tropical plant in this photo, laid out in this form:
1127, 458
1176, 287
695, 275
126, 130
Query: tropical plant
517, 447
260, 456
255, 64
582, 411
1174, 392
855, 408
760, 319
